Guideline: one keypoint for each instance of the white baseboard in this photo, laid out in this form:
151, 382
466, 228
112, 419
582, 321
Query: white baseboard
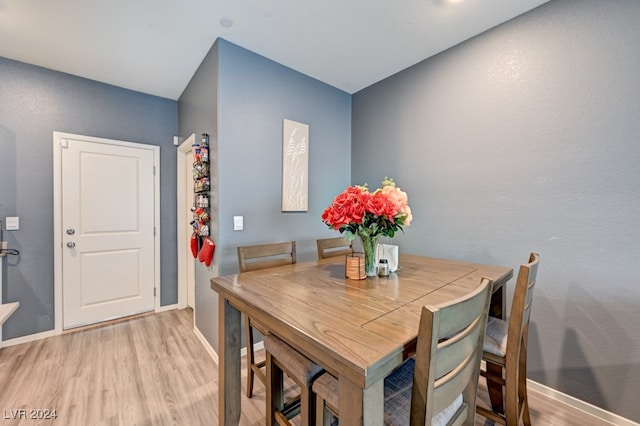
29, 338
604, 415
212, 353
256, 348
168, 308
49, 333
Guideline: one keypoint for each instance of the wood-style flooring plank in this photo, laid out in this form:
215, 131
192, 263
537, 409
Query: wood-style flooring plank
149, 371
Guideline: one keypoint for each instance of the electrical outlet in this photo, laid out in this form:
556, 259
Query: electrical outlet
5, 245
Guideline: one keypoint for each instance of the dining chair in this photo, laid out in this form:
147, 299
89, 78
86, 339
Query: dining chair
440, 384
282, 358
505, 354
251, 258
330, 247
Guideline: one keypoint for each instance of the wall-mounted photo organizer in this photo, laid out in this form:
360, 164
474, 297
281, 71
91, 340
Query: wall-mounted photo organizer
202, 244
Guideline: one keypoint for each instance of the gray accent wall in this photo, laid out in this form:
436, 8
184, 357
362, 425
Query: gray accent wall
527, 138
35, 102
253, 95
198, 113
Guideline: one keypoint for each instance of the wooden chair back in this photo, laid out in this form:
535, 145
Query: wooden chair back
521, 307
448, 355
251, 258
330, 247
506, 366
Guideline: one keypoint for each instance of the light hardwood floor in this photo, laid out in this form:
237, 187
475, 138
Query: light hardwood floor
150, 370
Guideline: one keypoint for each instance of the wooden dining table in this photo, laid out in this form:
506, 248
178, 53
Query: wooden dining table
357, 330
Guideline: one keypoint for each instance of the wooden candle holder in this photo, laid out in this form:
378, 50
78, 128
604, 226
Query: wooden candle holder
354, 266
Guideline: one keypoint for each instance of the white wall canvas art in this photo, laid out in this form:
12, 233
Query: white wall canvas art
295, 166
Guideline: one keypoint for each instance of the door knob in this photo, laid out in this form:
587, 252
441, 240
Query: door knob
71, 231
71, 244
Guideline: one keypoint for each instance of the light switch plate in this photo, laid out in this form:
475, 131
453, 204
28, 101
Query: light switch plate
238, 223
12, 223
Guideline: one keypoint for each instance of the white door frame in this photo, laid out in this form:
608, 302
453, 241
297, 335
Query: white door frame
184, 261
58, 138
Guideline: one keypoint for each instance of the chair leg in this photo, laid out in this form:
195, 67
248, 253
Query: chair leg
526, 419
522, 384
277, 412
323, 415
512, 392
250, 355
307, 406
275, 391
495, 389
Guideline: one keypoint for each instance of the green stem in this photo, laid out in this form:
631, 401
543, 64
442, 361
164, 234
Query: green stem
369, 245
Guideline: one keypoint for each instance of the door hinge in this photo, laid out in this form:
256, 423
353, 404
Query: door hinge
154, 292
154, 231
154, 170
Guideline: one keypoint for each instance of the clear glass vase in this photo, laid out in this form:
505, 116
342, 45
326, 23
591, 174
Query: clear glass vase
369, 247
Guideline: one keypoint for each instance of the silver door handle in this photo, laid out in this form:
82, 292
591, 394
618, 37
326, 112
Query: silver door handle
71, 244
71, 231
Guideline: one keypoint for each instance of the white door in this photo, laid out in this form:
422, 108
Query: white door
107, 212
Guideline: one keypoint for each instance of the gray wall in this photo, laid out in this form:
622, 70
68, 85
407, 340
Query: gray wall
526, 138
198, 113
254, 95
35, 102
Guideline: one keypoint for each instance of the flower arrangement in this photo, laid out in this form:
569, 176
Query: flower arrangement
359, 212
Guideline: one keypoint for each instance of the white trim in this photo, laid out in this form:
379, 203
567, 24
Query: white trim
256, 347
156, 219
168, 308
604, 415
6, 309
57, 232
58, 137
30, 338
212, 353
182, 218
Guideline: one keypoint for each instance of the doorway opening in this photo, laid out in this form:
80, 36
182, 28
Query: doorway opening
186, 263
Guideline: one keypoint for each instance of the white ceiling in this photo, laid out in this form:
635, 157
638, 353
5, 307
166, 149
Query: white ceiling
155, 46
